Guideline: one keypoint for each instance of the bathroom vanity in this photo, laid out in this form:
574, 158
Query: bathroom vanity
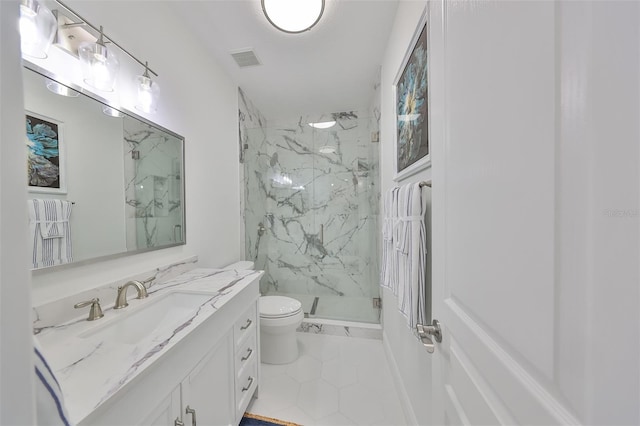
188, 353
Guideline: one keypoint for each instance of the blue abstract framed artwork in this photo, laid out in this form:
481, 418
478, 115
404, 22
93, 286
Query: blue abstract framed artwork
412, 106
45, 154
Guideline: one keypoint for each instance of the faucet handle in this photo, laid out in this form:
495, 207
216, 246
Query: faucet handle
95, 312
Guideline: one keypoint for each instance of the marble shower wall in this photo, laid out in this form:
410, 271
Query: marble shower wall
315, 193
252, 134
153, 181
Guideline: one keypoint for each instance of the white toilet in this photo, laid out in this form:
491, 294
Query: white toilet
280, 317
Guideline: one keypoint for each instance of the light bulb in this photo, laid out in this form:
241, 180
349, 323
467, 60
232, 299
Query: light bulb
99, 65
148, 93
28, 30
37, 28
100, 74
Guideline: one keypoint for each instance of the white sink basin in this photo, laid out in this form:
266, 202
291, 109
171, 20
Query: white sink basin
150, 317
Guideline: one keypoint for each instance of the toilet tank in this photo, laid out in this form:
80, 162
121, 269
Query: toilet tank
241, 266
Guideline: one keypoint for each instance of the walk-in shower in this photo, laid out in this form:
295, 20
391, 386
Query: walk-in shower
311, 212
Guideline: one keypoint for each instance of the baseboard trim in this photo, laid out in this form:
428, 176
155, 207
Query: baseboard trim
409, 415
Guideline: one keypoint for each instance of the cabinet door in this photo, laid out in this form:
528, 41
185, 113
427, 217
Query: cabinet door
209, 388
166, 412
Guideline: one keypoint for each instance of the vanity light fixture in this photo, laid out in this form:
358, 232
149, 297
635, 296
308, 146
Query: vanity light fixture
293, 16
111, 112
323, 124
99, 65
148, 92
37, 28
61, 89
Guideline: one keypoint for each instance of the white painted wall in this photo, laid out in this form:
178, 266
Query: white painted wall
16, 366
413, 362
553, 147
199, 101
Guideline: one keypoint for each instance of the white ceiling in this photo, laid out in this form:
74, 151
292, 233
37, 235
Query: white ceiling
333, 67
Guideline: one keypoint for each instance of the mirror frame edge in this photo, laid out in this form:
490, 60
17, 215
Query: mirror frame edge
50, 75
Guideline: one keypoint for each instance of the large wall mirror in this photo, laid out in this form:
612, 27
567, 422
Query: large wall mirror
100, 182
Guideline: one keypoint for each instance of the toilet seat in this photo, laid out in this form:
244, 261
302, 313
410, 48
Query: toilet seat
273, 307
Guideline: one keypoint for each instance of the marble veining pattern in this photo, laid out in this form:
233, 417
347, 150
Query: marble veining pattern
308, 326
153, 175
60, 313
109, 367
312, 205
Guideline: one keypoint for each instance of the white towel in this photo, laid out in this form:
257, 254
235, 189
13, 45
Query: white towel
388, 271
50, 409
411, 249
50, 232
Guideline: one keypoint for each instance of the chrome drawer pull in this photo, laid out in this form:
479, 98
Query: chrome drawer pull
250, 383
246, 357
244, 327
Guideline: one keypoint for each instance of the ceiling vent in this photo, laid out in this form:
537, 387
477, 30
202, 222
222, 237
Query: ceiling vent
245, 58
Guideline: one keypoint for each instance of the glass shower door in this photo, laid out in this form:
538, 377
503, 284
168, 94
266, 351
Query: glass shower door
309, 216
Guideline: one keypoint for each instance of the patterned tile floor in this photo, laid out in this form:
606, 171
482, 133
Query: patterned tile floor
335, 381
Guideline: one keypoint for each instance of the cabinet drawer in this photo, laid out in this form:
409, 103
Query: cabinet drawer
246, 353
246, 385
245, 326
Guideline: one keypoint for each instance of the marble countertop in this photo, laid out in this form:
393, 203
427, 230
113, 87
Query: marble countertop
91, 370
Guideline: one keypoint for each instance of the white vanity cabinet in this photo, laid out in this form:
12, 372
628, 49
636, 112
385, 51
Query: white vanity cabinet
203, 396
208, 378
246, 359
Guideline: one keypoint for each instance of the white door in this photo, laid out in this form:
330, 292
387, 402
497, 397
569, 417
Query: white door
535, 211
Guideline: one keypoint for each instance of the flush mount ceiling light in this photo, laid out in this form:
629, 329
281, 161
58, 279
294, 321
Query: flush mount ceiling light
323, 124
293, 16
37, 29
148, 92
99, 65
327, 149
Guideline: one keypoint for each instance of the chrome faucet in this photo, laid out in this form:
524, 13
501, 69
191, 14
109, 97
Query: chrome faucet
121, 299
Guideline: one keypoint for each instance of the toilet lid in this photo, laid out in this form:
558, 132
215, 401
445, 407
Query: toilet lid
278, 306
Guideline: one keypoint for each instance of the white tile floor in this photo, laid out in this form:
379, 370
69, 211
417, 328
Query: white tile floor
335, 381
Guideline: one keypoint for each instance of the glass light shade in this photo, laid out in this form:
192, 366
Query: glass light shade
61, 89
293, 16
111, 112
99, 66
37, 29
148, 94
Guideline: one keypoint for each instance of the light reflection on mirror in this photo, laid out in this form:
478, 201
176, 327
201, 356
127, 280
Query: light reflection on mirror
123, 174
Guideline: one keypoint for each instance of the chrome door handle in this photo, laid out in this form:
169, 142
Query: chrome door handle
191, 411
425, 332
